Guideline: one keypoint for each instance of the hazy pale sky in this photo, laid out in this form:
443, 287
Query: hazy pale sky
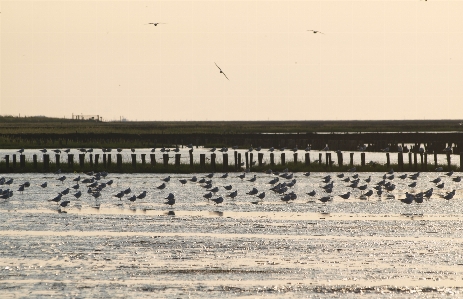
375, 60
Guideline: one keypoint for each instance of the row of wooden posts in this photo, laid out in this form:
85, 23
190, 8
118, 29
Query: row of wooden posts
249, 162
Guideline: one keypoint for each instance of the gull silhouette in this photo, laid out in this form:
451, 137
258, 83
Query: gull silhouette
315, 31
155, 24
221, 71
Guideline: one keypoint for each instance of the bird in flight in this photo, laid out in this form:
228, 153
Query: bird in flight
315, 31
155, 24
221, 71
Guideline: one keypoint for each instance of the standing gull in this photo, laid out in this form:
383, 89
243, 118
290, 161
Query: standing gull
221, 71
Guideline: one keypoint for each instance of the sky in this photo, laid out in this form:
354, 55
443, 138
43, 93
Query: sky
372, 60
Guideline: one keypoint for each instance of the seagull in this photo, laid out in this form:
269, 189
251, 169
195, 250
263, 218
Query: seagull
221, 71
64, 203
127, 191
183, 181
166, 179
325, 199
194, 179
77, 179
262, 195
217, 200
345, 196
254, 191
142, 195
43, 150
208, 195
44, 185
155, 24
229, 187
170, 202
315, 31
369, 193
312, 193
120, 195
62, 178
170, 196
162, 186
253, 179
21, 151
132, 198
233, 194
77, 194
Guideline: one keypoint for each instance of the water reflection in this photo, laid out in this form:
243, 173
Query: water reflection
170, 213
216, 213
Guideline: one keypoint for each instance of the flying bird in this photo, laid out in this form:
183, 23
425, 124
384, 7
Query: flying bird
221, 71
315, 31
155, 24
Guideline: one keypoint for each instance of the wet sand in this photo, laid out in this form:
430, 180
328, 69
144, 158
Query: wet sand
109, 248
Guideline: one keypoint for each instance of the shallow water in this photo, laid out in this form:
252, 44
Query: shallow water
244, 247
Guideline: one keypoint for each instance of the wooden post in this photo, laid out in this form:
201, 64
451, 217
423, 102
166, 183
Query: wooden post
388, 161
202, 160
272, 159
57, 159
109, 160
104, 160
461, 161
326, 159
340, 159
415, 160
81, 160
119, 160
225, 162
448, 162
22, 161
422, 161
46, 162
14, 160
153, 159
320, 157
143, 159
425, 161
283, 162
295, 158
97, 157
235, 154
7, 162
251, 158
91, 160
134, 160
260, 157
351, 159
177, 160
409, 160
435, 160
71, 161
213, 161
307, 159
239, 160
165, 159
34, 160
191, 157
400, 161
246, 155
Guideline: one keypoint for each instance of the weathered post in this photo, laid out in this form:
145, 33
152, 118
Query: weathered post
81, 160
119, 160
143, 159
422, 160
435, 159
260, 157
104, 160
351, 159
362, 159
327, 162
283, 162
272, 159
340, 158
448, 162
415, 160
97, 157
57, 159
134, 160
34, 160
400, 161
190, 152
71, 161
320, 157
409, 160
239, 160
251, 158
7, 162
246, 156
235, 154
153, 159
388, 161
165, 159
225, 162
177, 160
109, 160
295, 158
307, 159
22, 161
14, 160
202, 160
91, 160
213, 161
46, 162
461, 161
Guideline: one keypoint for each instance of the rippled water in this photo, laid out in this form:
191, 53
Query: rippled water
378, 157
244, 247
